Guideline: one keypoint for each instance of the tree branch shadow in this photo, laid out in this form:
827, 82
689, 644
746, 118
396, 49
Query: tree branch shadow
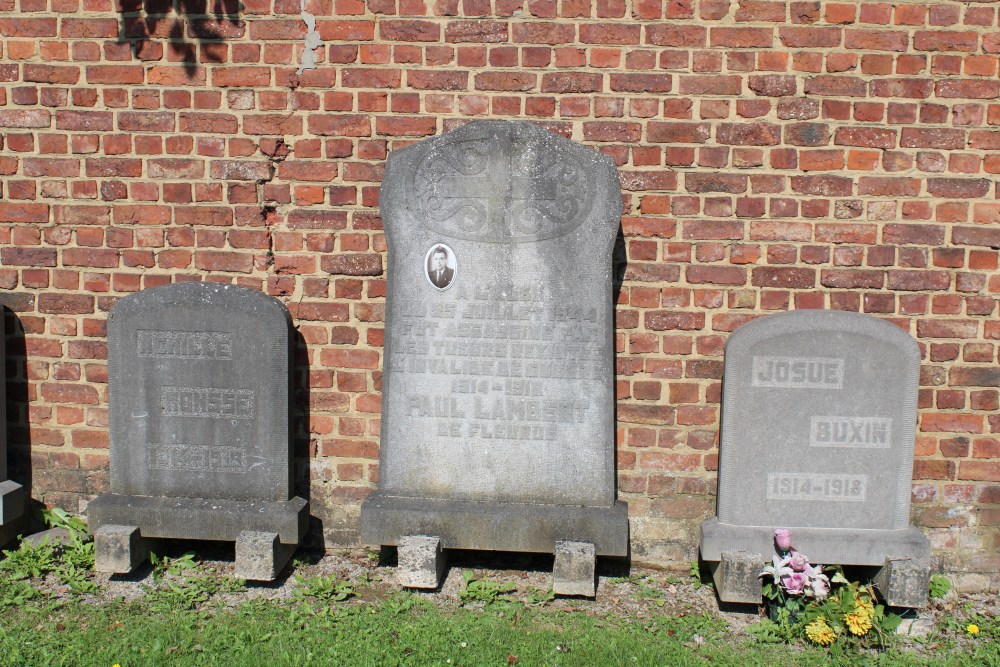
184, 26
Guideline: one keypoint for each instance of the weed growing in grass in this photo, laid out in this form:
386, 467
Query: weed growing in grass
939, 587
326, 589
166, 565
71, 563
483, 590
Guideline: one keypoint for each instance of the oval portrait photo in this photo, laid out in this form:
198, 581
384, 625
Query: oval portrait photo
441, 266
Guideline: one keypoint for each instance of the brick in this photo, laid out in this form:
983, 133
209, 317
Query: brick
783, 277
54, 74
23, 212
241, 170
572, 82
826, 185
867, 137
506, 81
476, 32
742, 38
670, 320
428, 80
352, 264
773, 85
917, 280
340, 125
676, 35
749, 134
398, 30
946, 40
958, 187
146, 121
34, 118
810, 37
938, 138
976, 236
710, 85
641, 83
209, 123
973, 376
836, 86
65, 304
716, 275
678, 133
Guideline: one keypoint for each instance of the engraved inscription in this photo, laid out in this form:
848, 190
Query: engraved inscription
502, 354
511, 189
816, 486
210, 458
207, 402
863, 432
184, 344
798, 372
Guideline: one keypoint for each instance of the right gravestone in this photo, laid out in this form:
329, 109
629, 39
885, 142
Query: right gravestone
818, 423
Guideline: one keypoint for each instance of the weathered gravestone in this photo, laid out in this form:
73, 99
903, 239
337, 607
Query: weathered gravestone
198, 377
11, 493
818, 419
497, 393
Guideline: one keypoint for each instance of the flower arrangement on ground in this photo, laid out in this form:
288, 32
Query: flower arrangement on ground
823, 606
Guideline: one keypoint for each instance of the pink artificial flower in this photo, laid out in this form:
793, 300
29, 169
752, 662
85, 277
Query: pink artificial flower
820, 587
799, 562
783, 538
795, 583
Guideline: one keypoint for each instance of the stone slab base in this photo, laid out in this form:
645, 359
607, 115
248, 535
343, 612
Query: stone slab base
494, 526
839, 546
201, 518
261, 556
574, 569
11, 510
903, 556
421, 561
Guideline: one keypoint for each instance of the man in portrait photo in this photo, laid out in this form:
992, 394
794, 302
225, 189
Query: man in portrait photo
437, 269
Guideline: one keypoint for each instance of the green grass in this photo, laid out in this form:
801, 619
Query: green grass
403, 629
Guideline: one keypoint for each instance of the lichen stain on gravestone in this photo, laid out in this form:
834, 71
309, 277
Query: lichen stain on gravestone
514, 188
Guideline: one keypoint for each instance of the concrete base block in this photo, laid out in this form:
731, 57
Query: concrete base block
421, 561
736, 576
904, 583
261, 556
574, 568
119, 549
11, 510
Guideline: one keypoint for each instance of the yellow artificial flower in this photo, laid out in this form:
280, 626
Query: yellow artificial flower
972, 629
820, 633
858, 622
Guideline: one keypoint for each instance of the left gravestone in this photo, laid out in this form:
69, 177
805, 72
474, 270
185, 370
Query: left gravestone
198, 377
11, 493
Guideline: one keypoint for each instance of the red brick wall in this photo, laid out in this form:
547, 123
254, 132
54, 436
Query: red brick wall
773, 155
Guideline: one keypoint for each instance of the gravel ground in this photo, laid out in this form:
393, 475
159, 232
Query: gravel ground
622, 592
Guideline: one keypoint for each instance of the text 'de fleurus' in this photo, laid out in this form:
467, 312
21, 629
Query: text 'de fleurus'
863, 432
207, 402
816, 486
210, 458
184, 344
798, 372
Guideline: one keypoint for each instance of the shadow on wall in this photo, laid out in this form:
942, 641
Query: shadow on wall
191, 31
18, 451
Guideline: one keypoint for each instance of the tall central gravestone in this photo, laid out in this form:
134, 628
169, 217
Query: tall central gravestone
198, 378
818, 425
497, 393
